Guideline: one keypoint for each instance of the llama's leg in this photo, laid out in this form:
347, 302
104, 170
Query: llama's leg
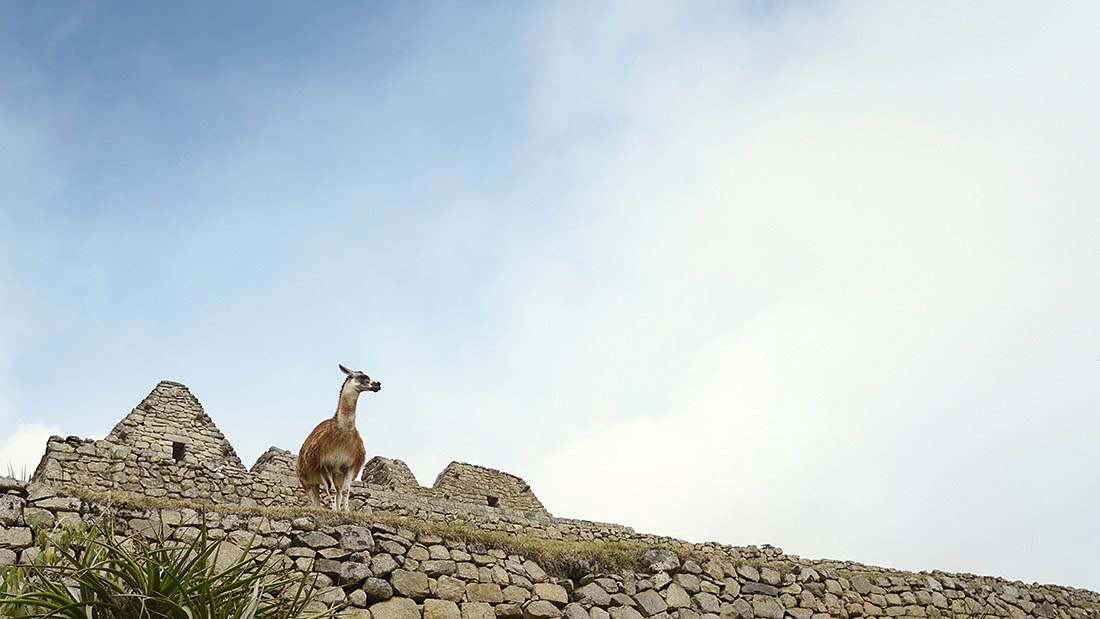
314, 496
338, 483
346, 492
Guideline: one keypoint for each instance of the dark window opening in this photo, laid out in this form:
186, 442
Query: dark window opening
177, 451
492, 500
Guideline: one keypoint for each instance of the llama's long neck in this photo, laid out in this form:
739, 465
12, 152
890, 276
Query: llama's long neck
345, 410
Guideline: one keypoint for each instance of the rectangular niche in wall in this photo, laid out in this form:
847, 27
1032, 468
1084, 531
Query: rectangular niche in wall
492, 500
177, 452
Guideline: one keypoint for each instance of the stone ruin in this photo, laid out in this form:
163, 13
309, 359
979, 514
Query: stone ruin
168, 447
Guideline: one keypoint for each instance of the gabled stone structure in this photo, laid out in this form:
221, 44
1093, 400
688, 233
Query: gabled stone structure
170, 424
470, 483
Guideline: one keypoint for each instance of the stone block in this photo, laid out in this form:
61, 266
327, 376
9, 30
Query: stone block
650, 602
11, 510
622, 612
552, 593
677, 597
395, 608
541, 609
410, 584
484, 592
377, 590
477, 610
441, 609
437, 568
593, 594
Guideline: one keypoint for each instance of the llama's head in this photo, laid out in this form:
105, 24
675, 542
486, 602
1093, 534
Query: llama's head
359, 381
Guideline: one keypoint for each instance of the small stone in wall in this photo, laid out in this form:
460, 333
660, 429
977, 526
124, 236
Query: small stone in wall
767, 607
382, 564
748, 572
410, 584
477, 610
435, 569
11, 510
441, 609
540, 609
650, 602
770, 575
377, 590
551, 592
484, 592
659, 560
575, 611
623, 612
395, 608
593, 593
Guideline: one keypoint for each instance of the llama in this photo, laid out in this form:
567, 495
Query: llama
333, 453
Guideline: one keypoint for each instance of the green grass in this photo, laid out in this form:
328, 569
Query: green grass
87, 572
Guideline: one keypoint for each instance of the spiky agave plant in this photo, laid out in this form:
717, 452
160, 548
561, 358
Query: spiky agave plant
89, 573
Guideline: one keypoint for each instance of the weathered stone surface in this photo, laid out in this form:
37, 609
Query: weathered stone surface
395, 608
706, 603
756, 587
659, 560
382, 565
441, 609
677, 597
437, 568
355, 538
354, 572
739, 609
450, 588
410, 584
650, 602
622, 599
377, 590
766, 607
551, 592
598, 613
7, 557
770, 575
575, 611
593, 593
623, 612
477, 610
748, 572
315, 540
11, 510
516, 594
534, 571
540, 609
357, 598
689, 582
484, 592
353, 613
861, 584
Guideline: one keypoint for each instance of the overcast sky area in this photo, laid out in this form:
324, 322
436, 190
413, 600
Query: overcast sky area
819, 275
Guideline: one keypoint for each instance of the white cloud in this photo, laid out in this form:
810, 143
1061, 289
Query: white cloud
21, 451
836, 279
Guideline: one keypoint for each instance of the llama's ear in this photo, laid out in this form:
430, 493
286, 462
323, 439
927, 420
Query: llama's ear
344, 369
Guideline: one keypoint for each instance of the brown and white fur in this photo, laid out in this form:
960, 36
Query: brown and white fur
333, 453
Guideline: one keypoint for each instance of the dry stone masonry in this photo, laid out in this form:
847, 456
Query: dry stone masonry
380, 570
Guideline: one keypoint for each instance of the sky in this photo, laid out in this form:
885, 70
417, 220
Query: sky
821, 275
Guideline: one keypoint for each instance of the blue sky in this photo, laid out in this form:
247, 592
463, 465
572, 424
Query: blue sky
820, 275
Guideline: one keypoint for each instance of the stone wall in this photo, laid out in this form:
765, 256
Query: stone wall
375, 570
